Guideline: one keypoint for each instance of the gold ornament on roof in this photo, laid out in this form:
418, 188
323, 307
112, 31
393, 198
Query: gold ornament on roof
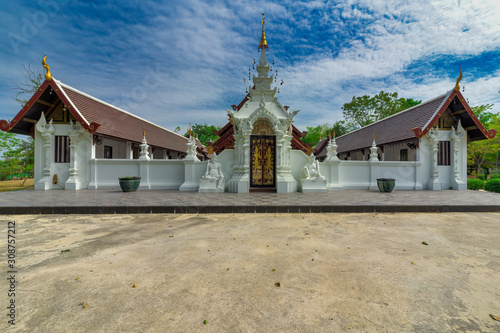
457, 86
263, 42
48, 76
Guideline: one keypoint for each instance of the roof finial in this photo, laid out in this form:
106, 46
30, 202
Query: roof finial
263, 42
48, 76
457, 86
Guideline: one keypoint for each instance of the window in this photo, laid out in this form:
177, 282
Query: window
444, 153
62, 149
403, 155
136, 152
108, 152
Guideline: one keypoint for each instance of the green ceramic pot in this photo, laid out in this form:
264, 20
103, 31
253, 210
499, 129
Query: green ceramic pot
129, 184
386, 184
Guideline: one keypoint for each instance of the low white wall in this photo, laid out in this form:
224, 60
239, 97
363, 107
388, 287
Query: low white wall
155, 174
364, 174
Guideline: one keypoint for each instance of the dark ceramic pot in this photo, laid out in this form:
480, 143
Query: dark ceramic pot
129, 184
386, 184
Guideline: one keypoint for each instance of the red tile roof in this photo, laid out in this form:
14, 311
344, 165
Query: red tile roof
122, 124
391, 129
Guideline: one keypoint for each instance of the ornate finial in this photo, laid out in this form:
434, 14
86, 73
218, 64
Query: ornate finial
143, 132
457, 86
373, 135
263, 42
48, 76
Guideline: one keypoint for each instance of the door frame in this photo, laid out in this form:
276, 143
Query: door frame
273, 137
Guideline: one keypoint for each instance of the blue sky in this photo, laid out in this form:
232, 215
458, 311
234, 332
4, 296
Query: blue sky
176, 62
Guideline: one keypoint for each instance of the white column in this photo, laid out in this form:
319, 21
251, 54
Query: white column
47, 132
456, 138
75, 131
434, 183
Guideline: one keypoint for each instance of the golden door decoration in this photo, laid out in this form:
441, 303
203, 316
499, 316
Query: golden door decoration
263, 160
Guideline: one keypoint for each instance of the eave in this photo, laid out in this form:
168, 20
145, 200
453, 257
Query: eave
419, 132
7, 126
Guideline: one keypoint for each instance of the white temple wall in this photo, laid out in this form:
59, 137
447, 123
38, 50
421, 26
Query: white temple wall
155, 174
298, 160
227, 161
392, 152
119, 148
171, 174
60, 169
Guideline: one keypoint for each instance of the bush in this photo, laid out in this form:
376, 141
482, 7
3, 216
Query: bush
493, 185
495, 174
482, 176
475, 184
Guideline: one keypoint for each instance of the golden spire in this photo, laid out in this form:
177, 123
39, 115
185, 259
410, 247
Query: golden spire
263, 42
48, 76
457, 86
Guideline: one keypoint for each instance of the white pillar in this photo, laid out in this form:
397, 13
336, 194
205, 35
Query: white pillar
456, 138
75, 131
47, 132
434, 183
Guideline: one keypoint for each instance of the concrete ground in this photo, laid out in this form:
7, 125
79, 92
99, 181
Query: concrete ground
336, 273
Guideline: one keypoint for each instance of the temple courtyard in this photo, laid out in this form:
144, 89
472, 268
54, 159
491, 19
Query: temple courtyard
272, 272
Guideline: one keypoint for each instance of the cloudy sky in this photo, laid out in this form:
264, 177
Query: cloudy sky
175, 62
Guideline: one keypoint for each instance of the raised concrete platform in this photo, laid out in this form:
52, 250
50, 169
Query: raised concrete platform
167, 201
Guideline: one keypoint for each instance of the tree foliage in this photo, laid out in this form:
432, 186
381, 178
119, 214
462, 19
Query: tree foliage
17, 155
317, 133
204, 133
364, 110
484, 151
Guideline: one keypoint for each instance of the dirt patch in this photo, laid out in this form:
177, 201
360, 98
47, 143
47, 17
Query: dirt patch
256, 273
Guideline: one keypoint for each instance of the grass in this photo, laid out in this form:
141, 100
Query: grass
14, 185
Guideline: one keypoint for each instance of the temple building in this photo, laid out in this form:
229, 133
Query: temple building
72, 128
84, 143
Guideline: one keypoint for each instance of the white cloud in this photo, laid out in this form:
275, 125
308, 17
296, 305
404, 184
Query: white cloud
326, 53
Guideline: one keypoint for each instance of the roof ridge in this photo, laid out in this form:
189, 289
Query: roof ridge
397, 114
114, 107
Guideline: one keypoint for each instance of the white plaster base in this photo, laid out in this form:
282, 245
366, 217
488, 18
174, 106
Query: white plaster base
43, 185
286, 185
310, 186
210, 186
434, 186
72, 184
459, 185
335, 187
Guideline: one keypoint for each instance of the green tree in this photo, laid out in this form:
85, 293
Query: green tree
205, 133
364, 110
315, 134
17, 155
341, 127
484, 151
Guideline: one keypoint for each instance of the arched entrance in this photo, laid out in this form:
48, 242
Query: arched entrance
262, 157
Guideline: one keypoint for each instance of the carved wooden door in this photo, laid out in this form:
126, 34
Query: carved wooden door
263, 160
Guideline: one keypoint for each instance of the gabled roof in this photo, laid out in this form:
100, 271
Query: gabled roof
226, 139
96, 116
415, 122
